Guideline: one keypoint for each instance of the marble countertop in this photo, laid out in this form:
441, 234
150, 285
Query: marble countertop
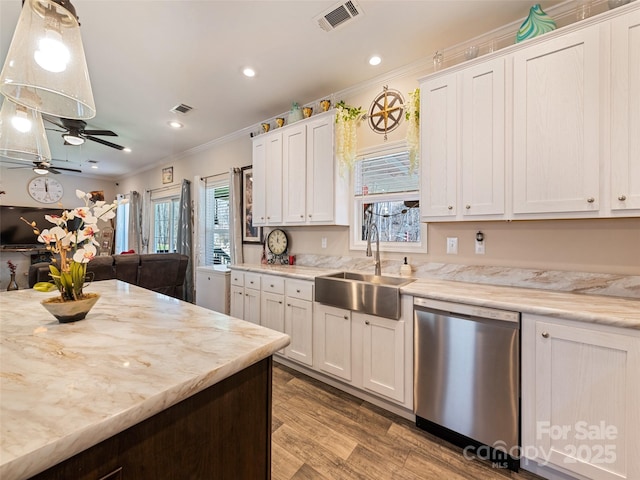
606, 310
66, 387
620, 312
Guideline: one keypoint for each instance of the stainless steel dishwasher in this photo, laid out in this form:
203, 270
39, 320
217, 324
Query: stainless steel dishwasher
467, 377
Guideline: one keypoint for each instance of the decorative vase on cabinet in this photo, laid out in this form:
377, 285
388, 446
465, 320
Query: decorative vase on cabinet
537, 23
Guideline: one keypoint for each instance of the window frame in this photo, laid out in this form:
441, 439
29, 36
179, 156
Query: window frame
356, 214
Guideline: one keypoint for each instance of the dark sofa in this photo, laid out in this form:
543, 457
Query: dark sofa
160, 272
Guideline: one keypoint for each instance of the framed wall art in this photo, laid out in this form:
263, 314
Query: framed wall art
167, 175
250, 233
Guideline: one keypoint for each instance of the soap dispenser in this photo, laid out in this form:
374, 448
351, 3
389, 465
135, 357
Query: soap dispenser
405, 269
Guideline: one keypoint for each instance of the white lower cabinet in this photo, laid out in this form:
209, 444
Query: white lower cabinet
580, 398
382, 355
245, 296
369, 352
298, 321
333, 334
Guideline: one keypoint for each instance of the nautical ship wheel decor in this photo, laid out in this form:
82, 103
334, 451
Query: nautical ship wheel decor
386, 111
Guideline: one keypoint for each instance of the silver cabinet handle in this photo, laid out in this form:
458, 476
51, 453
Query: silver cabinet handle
366, 322
450, 207
301, 216
591, 199
297, 290
468, 207
622, 198
346, 317
271, 285
288, 304
309, 215
545, 334
280, 302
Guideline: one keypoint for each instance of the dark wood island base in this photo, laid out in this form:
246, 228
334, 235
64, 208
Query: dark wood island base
223, 432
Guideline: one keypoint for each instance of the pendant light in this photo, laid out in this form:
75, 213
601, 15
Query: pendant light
22, 134
45, 68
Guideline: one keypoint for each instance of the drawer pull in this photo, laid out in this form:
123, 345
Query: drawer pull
622, 198
591, 200
545, 334
468, 207
366, 322
346, 317
450, 207
297, 290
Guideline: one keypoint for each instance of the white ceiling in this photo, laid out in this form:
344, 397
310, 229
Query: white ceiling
146, 56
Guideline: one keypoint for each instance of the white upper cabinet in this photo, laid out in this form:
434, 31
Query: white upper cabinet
543, 129
463, 143
439, 147
294, 173
311, 190
483, 139
267, 180
625, 112
556, 125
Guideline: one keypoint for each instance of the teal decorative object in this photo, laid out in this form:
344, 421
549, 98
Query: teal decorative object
537, 23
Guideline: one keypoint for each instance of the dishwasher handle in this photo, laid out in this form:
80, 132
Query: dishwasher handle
465, 310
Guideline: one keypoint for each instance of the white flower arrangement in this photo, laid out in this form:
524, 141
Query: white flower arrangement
73, 236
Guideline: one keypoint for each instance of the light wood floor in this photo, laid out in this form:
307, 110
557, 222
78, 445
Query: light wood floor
320, 432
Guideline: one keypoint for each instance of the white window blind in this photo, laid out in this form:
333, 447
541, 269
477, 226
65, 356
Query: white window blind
385, 174
217, 245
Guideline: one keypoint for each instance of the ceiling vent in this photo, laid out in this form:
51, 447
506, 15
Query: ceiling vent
182, 108
339, 15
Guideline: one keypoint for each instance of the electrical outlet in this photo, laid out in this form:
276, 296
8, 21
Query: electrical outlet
452, 245
479, 247
324, 242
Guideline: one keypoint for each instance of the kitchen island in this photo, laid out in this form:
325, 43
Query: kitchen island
147, 386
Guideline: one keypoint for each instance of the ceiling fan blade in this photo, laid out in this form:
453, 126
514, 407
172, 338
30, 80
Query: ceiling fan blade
53, 170
65, 169
104, 142
108, 133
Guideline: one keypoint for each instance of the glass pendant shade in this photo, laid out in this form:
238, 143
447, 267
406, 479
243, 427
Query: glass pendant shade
22, 134
45, 68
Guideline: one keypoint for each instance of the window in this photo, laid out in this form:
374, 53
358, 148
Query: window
216, 237
122, 226
165, 224
387, 194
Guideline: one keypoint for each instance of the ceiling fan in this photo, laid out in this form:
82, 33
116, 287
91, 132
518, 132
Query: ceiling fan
75, 133
42, 168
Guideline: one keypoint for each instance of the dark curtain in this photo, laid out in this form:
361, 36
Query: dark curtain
185, 236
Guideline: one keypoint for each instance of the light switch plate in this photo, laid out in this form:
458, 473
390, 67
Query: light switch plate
452, 245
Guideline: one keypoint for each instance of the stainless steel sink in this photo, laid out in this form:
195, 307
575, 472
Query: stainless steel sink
373, 294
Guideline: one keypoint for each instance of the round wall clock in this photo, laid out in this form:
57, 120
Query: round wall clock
45, 189
277, 241
385, 113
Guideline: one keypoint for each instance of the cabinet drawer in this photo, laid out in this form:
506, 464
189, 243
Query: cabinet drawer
273, 284
252, 280
300, 289
237, 278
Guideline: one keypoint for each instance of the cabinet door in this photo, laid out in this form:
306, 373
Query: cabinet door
259, 194
438, 128
237, 301
585, 390
383, 355
483, 139
252, 305
272, 312
556, 151
625, 114
333, 333
298, 324
273, 200
321, 179
294, 161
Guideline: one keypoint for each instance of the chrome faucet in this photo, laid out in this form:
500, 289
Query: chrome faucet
368, 253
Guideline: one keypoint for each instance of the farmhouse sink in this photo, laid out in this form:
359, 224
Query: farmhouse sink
373, 294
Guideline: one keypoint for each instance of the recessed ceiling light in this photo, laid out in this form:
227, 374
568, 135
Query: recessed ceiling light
249, 72
375, 60
126, 149
174, 124
94, 166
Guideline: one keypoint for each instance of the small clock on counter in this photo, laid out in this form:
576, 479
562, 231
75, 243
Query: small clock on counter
278, 242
